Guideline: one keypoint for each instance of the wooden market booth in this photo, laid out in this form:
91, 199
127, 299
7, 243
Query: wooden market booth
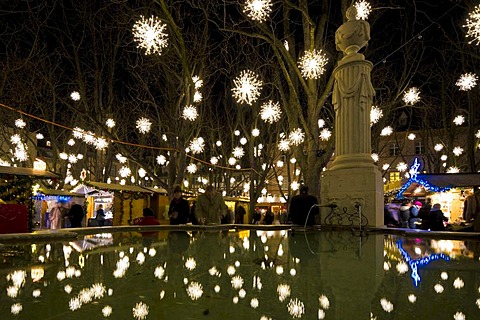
16, 194
46, 198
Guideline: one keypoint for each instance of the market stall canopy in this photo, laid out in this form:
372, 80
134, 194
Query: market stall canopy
158, 190
20, 171
116, 187
51, 192
83, 189
451, 179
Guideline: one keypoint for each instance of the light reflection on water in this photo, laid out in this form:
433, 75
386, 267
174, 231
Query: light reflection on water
241, 275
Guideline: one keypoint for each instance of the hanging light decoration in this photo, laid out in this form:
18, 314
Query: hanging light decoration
325, 134
197, 145
190, 113
375, 114
150, 34
363, 9
19, 123
473, 25
110, 123
143, 125
386, 131
270, 112
411, 96
459, 120
284, 145
257, 10
247, 87
161, 160
75, 96
467, 81
238, 152
296, 136
312, 63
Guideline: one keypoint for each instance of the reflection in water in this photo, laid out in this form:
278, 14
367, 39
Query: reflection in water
241, 275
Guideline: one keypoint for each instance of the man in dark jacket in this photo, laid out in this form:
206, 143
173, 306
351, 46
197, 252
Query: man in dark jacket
75, 214
302, 207
179, 210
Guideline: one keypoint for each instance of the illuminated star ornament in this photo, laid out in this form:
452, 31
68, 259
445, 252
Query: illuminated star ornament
363, 10
75, 96
150, 35
197, 145
247, 87
312, 63
257, 10
411, 96
375, 114
143, 125
19, 123
110, 123
190, 113
467, 81
473, 25
270, 112
296, 137
325, 134
459, 120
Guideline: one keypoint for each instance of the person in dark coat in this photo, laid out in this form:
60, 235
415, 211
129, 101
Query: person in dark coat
75, 214
100, 216
179, 210
301, 205
239, 214
435, 219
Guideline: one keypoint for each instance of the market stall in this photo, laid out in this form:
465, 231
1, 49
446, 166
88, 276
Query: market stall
46, 198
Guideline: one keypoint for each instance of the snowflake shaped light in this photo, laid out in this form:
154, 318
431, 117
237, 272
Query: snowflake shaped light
101, 143
78, 132
453, 170
457, 151
284, 145
161, 160
214, 160
257, 10
107, 311
238, 152
40, 136
283, 291
438, 288
15, 139
312, 63
16, 308
197, 145
121, 158
386, 131
150, 34
459, 316
75, 96
467, 81
270, 112
247, 87
325, 134
124, 172
363, 9
296, 308
19, 123
237, 282
375, 157
402, 167
232, 161
144, 125
190, 113
110, 123
255, 132
190, 264
89, 137
324, 302
411, 96
140, 311
412, 298
386, 305
411, 136
192, 168
72, 158
296, 136
459, 120
20, 152
375, 114
197, 82
438, 147
197, 97
473, 25
194, 290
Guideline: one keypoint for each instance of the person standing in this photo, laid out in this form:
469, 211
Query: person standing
100, 216
55, 217
210, 207
179, 209
302, 205
239, 214
75, 214
435, 219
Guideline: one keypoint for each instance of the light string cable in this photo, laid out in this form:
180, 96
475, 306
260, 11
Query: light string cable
124, 142
416, 36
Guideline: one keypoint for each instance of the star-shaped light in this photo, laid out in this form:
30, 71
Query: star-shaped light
197, 97
411, 136
284, 145
19, 123
459, 120
375, 114
214, 160
194, 290
247, 87
457, 151
467, 81
161, 160
325, 134
375, 157
75, 96
20, 152
473, 25
101, 143
386, 131
144, 125
110, 123
402, 167
283, 291
296, 308
121, 158
78, 132
296, 136
190, 113
15, 139
140, 311
40, 136
257, 9
312, 63
438, 147
411, 96
270, 111
453, 170
197, 82
363, 9
238, 152
150, 34
124, 172
255, 132
197, 145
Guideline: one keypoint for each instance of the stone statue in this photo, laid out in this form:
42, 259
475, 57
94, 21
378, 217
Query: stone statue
352, 35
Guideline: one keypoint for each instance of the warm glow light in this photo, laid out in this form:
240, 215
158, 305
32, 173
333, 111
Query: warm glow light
197, 145
375, 114
411, 96
19, 123
296, 136
473, 25
75, 96
411, 136
467, 81
257, 9
402, 167
457, 151
284, 145
438, 147
247, 87
270, 112
312, 63
192, 168
363, 10
238, 152
150, 34
325, 134
161, 160
459, 120
110, 123
386, 131
143, 125
190, 113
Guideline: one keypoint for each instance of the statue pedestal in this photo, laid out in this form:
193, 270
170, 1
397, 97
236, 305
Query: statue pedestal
353, 189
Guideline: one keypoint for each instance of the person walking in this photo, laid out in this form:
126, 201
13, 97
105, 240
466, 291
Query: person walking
210, 207
302, 210
100, 216
179, 209
55, 217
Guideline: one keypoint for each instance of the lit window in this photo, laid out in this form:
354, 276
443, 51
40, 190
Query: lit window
394, 176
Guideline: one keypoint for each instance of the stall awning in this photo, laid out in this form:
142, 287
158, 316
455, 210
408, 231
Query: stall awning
51, 192
157, 190
116, 187
20, 171
451, 179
